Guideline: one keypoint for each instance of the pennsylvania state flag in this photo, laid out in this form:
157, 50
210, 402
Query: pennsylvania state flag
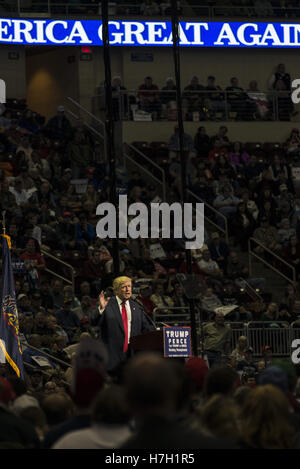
10, 345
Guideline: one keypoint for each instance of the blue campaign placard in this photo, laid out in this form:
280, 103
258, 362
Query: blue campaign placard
177, 342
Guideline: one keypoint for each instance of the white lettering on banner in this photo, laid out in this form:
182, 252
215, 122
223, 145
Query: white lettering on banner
4, 24
131, 33
50, 31
137, 33
78, 31
226, 34
241, 34
197, 32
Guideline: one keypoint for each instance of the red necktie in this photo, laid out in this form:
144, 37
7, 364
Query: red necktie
125, 323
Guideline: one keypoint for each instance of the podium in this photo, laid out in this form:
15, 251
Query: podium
149, 342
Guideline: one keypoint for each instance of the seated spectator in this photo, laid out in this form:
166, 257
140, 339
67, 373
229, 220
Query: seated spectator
258, 103
159, 297
247, 364
148, 97
209, 267
238, 157
144, 297
253, 171
34, 262
236, 97
59, 126
214, 99
226, 203
223, 168
292, 144
222, 136
168, 94
209, 302
68, 319
266, 235
192, 98
219, 250
271, 315
149, 8
263, 9
85, 232
250, 204
217, 149
285, 232
66, 232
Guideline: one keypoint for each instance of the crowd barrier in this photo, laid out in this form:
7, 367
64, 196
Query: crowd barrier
276, 334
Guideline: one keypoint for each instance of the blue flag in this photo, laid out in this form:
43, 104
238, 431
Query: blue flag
10, 344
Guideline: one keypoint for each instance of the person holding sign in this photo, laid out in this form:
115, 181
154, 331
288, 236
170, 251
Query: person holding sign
121, 318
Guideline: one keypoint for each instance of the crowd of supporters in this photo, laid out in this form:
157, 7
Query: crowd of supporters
208, 101
53, 175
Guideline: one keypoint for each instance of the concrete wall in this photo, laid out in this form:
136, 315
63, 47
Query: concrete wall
13, 71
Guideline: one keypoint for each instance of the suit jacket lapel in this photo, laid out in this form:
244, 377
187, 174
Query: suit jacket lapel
116, 310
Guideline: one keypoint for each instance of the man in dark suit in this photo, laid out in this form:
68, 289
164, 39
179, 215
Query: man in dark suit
121, 319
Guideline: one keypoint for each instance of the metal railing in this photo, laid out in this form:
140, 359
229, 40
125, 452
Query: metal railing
135, 8
144, 162
277, 259
210, 214
200, 105
276, 334
95, 125
70, 281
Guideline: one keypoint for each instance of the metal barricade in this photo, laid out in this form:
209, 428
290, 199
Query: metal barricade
276, 334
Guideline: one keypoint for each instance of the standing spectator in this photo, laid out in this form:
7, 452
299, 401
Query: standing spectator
202, 143
59, 127
216, 339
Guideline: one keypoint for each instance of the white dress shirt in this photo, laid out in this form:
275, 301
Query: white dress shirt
127, 306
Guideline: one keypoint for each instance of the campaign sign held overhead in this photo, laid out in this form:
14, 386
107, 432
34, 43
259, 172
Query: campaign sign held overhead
177, 342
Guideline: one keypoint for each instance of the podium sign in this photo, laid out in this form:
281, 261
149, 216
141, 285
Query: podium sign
177, 342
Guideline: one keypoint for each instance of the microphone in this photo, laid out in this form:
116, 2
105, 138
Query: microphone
146, 314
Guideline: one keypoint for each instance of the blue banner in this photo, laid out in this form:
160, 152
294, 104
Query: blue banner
10, 345
177, 342
148, 33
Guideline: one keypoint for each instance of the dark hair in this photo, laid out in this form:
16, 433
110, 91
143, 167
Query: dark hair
220, 380
110, 406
